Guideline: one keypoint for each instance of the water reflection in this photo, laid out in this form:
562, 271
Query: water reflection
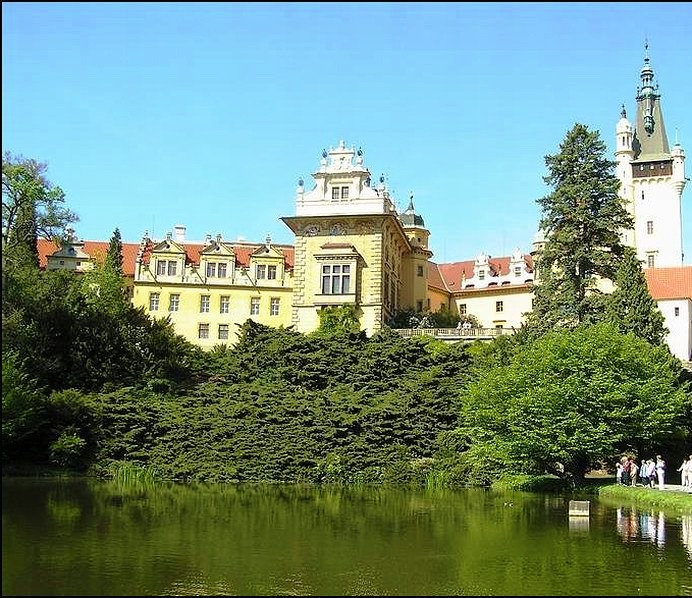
644, 525
93, 538
686, 531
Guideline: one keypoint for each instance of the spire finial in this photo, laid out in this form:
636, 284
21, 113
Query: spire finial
646, 49
623, 113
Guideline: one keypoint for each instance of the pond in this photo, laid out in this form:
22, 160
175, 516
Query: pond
99, 538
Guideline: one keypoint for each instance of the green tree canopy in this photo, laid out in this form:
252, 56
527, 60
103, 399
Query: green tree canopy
32, 207
582, 220
574, 398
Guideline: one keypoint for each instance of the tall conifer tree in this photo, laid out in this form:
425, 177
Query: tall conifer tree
631, 307
582, 220
114, 257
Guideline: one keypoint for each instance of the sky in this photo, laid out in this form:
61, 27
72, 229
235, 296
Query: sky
206, 115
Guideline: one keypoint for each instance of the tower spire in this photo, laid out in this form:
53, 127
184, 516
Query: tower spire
651, 141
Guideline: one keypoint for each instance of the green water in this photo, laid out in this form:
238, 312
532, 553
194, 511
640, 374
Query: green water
86, 537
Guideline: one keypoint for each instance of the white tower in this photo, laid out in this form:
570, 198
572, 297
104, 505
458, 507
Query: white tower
652, 179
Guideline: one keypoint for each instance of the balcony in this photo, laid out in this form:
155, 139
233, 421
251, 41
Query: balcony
456, 334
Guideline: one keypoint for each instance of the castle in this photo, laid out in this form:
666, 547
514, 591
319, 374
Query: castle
352, 247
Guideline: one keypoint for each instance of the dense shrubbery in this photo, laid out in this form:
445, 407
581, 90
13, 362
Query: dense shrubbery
348, 409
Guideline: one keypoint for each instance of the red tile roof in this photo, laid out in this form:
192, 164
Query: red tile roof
95, 249
435, 279
453, 272
669, 283
99, 249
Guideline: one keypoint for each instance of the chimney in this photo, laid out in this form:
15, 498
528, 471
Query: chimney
179, 230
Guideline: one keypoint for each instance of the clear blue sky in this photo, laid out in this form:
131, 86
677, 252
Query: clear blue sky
151, 115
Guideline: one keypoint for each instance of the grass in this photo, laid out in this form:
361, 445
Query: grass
668, 500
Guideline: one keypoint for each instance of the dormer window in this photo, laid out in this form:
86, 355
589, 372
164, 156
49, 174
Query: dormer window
166, 268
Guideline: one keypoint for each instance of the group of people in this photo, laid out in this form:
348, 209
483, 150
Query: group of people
648, 473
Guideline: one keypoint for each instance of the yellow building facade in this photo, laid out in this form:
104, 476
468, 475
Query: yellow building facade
208, 290
353, 248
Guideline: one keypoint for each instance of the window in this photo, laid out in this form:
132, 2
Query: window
677, 312
517, 271
274, 306
204, 302
642, 195
462, 309
649, 227
336, 279
224, 304
203, 331
499, 306
174, 302
154, 301
344, 192
261, 271
271, 272
335, 193
223, 332
166, 267
419, 271
481, 275
211, 270
650, 261
419, 306
254, 306
222, 270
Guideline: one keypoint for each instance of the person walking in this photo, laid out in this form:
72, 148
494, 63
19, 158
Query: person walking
660, 471
618, 473
625, 470
634, 470
644, 473
652, 473
683, 473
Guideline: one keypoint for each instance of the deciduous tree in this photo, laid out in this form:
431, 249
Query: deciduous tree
574, 398
32, 207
